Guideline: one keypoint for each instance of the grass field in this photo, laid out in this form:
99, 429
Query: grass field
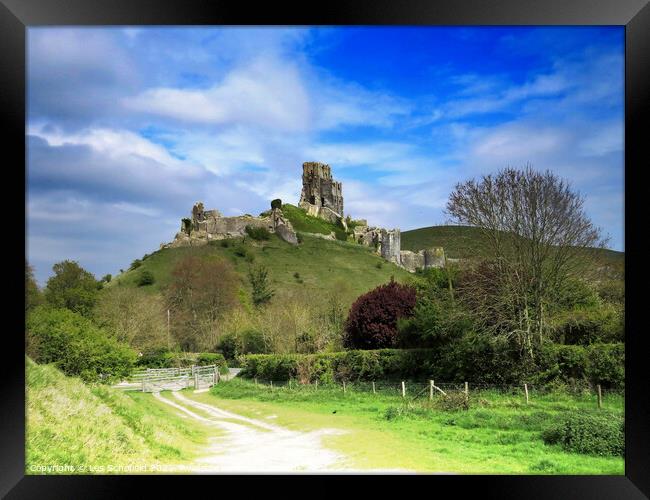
90, 430
499, 434
319, 263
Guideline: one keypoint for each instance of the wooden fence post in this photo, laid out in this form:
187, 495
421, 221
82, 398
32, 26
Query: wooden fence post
255, 381
430, 390
600, 397
143, 384
344, 387
316, 384
373, 387
196, 381
403, 389
466, 391
526, 391
289, 383
271, 384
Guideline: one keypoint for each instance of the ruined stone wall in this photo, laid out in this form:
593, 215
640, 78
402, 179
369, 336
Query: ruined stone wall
390, 245
210, 225
319, 188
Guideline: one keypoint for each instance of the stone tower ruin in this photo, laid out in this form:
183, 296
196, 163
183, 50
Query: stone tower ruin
319, 189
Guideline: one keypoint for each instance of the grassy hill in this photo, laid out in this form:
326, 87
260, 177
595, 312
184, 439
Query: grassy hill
312, 266
463, 242
70, 423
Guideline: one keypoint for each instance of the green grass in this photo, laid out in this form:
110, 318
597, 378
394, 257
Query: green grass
304, 223
91, 429
320, 264
499, 434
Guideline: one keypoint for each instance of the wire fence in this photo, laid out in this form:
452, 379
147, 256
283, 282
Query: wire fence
418, 390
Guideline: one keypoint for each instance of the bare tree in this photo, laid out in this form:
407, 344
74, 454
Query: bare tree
537, 234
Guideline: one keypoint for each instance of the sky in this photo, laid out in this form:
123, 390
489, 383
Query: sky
127, 127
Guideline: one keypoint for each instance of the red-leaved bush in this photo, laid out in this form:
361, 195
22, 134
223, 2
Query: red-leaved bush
372, 322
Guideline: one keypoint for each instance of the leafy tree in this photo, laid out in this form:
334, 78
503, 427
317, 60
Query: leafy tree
76, 345
107, 278
258, 279
372, 322
33, 296
537, 235
277, 203
72, 287
200, 293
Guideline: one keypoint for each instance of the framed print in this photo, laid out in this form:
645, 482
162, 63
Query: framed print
375, 240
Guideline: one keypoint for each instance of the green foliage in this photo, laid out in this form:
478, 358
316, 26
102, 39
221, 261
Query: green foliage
145, 278
107, 278
33, 296
164, 358
277, 203
472, 358
258, 233
76, 346
230, 346
135, 264
72, 287
258, 279
308, 224
588, 325
600, 433
602, 364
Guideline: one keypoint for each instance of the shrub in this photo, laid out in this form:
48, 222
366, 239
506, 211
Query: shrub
135, 264
594, 434
606, 365
595, 364
240, 251
261, 289
145, 278
107, 278
372, 322
210, 358
453, 401
224, 243
379, 265
277, 203
76, 345
230, 346
258, 233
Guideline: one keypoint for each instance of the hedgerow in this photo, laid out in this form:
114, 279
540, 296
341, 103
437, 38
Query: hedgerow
482, 363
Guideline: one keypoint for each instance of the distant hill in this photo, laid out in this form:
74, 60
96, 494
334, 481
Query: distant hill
463, 242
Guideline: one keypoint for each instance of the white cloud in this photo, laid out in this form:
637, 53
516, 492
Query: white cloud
267, 93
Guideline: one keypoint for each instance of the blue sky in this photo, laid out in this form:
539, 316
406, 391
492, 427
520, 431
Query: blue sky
128, 127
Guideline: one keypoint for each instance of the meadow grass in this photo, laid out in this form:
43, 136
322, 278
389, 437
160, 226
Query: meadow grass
92, 428
499, 434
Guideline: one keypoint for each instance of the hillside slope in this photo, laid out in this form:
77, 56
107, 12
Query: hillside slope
75, 425
311, 267
463, 242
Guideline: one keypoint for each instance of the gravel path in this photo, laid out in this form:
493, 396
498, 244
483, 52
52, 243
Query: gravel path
255, 446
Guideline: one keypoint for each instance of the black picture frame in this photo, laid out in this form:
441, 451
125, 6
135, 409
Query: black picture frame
17, 15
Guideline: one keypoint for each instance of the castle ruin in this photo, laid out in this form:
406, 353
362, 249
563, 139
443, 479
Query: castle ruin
322, 197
